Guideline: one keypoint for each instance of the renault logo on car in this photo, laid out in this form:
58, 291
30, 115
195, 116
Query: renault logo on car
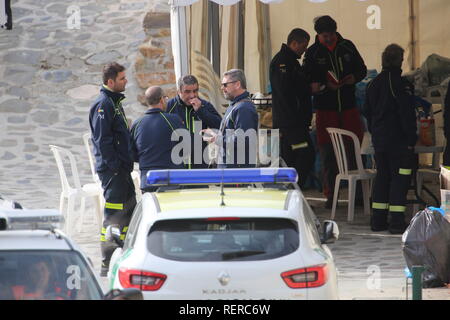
224, 278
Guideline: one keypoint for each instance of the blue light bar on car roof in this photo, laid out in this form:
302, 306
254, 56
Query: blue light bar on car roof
226, 176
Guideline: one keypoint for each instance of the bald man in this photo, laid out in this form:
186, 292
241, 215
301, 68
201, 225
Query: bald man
151, 136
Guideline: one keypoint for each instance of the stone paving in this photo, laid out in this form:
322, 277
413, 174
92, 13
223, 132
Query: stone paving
363, 256
359, 252
49, 76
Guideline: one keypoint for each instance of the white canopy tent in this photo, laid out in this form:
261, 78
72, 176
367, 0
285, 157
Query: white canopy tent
249, 32
420, 27
179, 31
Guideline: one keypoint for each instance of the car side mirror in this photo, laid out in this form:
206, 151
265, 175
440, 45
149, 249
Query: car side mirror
124, 294
330, 232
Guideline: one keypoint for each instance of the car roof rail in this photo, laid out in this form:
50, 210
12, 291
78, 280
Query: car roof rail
30, 219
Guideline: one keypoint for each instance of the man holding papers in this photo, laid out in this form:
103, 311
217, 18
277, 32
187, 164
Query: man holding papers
334, 66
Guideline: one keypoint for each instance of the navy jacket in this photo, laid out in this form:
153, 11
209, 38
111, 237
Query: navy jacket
207, 114
390, 112
240, 114
110, 133
151, 142
291, 96
343, 61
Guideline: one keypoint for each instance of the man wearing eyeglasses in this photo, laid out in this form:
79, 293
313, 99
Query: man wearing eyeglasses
239, 125
191, 109
151, 142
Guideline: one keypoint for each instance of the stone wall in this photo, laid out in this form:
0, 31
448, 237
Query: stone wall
154, 60
50, 74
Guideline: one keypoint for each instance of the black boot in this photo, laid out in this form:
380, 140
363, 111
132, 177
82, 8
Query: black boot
107, 249
104, 270
397, 223
378, 222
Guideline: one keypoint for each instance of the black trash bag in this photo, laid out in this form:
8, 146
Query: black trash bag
426, 243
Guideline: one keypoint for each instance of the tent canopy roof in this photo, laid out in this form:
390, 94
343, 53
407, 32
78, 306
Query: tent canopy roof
182, 3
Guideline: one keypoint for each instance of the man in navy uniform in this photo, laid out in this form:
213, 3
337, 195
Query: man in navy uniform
152, 136
391, 119
291, 104
239, 124
112, 150
190, 108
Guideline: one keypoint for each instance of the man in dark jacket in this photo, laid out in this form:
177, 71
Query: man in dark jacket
291, 104
151, 136
112, 150
446, 160
191, 109
391, 120
239, 127
334, 66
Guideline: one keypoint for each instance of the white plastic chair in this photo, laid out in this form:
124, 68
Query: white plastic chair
134, 174
75, 191
86, 138
365, 175
101, 199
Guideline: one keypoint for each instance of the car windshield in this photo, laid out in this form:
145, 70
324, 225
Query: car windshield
46, 275
246, 239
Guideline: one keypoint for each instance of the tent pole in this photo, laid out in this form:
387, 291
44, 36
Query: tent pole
214, 32
267, 45
179, 40
241, 36
413, 40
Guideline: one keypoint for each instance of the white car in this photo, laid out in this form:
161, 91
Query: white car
39, 262
256, 241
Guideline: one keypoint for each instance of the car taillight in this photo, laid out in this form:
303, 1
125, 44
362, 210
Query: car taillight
142, 280
311, 277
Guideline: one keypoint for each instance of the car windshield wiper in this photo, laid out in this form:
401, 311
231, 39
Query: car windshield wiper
240, 254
